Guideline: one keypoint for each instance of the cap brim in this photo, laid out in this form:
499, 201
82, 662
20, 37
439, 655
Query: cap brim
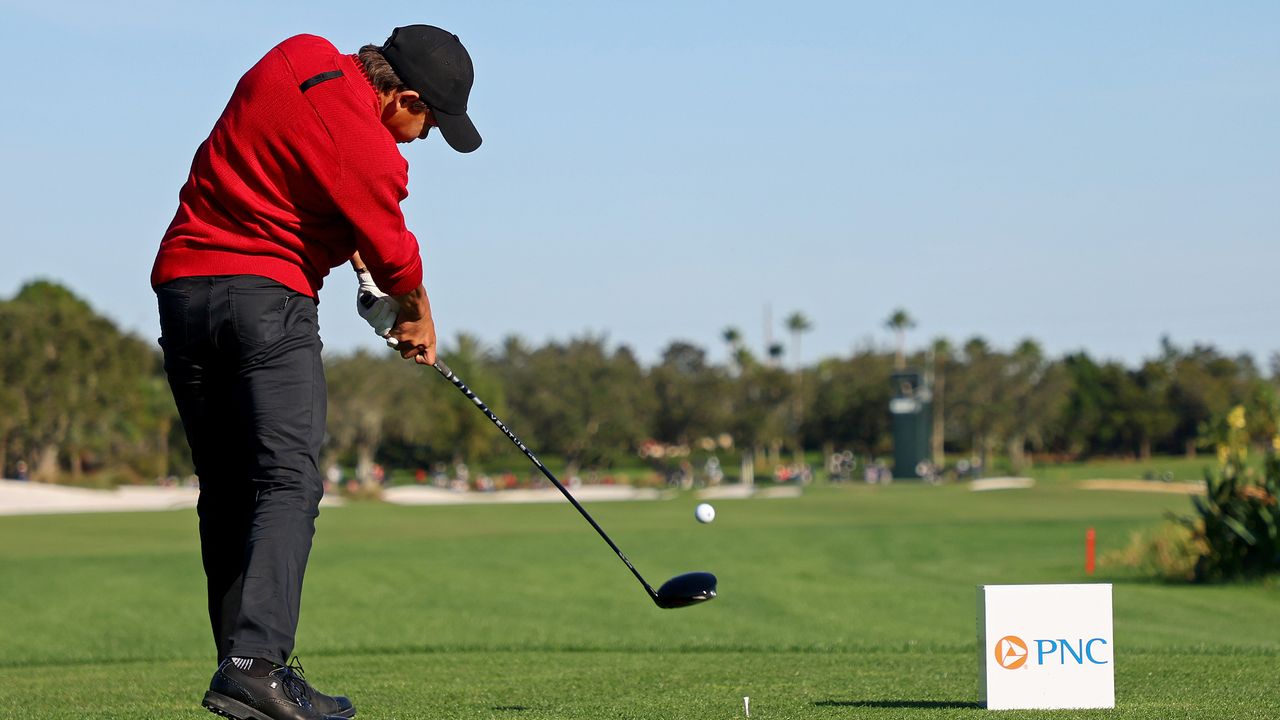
457, 131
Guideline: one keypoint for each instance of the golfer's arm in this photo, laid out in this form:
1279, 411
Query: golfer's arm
414, 305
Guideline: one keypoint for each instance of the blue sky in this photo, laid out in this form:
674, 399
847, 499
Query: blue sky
1092, 175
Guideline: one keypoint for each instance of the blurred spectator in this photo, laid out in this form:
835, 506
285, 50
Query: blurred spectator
840, 466
332, 478
713, 471
877, 471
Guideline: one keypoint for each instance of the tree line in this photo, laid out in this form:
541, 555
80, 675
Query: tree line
82, 398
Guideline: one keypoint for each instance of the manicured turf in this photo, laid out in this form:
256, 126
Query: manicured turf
852, 601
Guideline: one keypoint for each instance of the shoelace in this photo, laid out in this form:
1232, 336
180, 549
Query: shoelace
294, 681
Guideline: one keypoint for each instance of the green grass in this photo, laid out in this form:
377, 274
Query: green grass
853, 601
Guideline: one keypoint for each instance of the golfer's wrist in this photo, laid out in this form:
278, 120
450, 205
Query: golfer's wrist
414, 305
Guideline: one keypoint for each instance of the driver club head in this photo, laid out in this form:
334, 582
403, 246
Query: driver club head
687, 589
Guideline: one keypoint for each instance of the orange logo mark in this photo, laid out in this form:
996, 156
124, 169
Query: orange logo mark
1011, 652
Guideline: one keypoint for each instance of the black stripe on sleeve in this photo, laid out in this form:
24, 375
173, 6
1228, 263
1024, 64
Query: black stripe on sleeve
314, 81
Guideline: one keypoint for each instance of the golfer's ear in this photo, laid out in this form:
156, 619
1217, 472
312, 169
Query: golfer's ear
405, 98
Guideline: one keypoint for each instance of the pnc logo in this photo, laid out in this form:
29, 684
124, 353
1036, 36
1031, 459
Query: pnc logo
1011, 652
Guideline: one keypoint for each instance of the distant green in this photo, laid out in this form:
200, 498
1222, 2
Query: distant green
852, 601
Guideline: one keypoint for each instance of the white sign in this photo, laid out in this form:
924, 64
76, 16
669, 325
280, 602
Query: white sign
1045, 647
903, 406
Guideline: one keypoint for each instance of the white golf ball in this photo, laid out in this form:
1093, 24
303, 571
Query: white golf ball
705, 513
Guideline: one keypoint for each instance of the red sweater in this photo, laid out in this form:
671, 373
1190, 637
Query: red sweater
298, 174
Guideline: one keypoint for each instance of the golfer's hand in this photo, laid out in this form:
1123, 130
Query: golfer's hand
375, 306
415, 330
415, 339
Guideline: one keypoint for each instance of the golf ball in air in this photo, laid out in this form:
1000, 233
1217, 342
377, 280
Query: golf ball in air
705, 513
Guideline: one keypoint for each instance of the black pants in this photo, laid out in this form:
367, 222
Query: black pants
242, 354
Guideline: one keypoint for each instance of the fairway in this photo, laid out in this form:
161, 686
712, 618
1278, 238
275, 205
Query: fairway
851, 601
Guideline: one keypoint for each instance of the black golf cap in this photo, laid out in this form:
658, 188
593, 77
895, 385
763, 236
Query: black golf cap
433, 63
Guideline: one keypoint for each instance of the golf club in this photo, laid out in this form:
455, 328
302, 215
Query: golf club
680, 591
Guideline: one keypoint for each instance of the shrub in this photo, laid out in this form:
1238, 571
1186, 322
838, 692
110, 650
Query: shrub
1237, 520
1169, 552
1234, 532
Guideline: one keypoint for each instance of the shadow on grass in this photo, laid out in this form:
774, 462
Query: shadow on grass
914, 704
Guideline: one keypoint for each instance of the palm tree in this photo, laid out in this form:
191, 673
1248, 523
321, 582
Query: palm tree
737, 353
733, 336
900, 322
798, 324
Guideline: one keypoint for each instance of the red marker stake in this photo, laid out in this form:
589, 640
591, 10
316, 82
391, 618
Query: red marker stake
1090, 538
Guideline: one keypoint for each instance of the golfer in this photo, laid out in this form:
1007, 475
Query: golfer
300, 174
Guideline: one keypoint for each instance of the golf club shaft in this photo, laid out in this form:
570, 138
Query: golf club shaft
457, 382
